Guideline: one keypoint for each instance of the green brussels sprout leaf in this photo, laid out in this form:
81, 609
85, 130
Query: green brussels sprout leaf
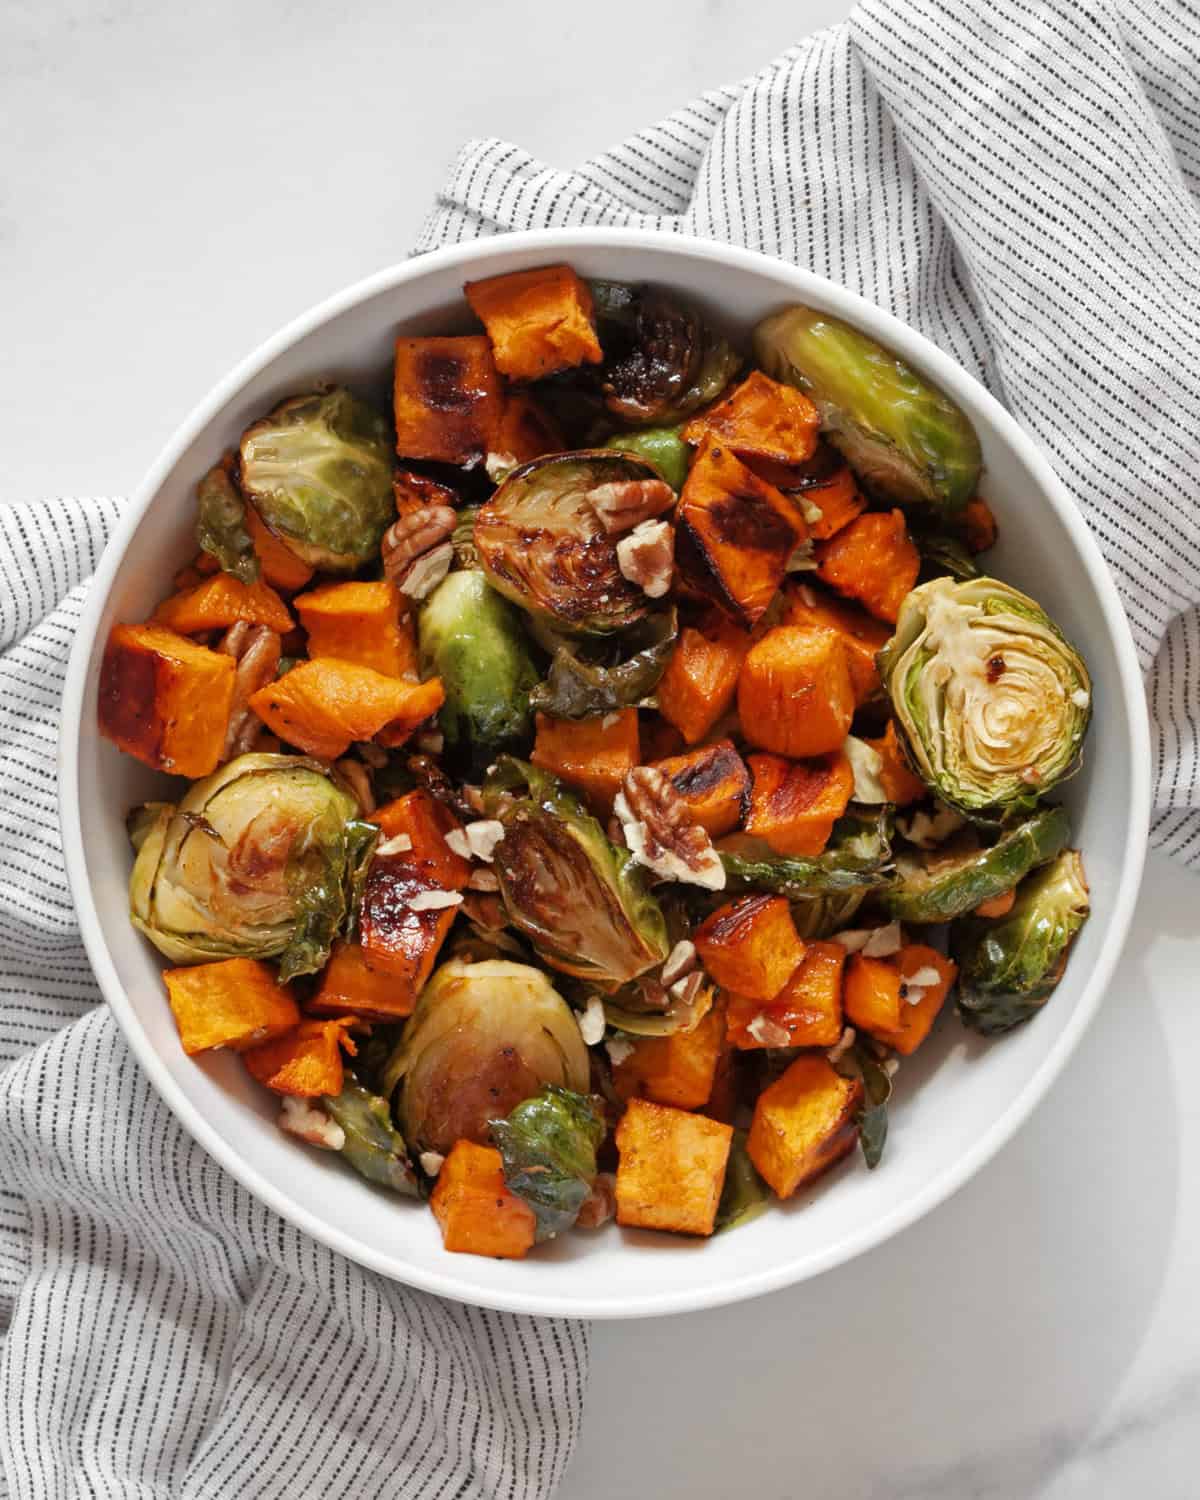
860, 1061
221, 525
818, 917
663, 447
744, 1195
858, 858
373, 1145
548, 1145
943, 554
582, 683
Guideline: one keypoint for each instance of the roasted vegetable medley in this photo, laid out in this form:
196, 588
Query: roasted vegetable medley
602, 768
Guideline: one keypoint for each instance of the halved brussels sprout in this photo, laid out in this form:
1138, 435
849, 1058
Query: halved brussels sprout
936, 885
221, 524
472, 639
483, 1037
319, 472
817, 917
1008, 968
744, 1195
663, 447
858, 858
904, 438
993, 700
647, 1008
373, 1146
942, 553
542, 545
582, 902
548, 1145
265, 858
584, 682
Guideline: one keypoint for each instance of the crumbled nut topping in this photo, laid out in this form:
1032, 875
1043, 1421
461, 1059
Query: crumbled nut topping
399, 843
619, 1050
842, 1045
484, 880
680, 961
660, 833
417, 551
770, 1033
928, 832
483, 836
884, 941
432, 1162
310, 1122
591, 1021
646, 557
626, 503
256, 650
456, 842
433, 900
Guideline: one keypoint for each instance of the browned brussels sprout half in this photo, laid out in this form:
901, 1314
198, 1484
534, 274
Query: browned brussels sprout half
548, 1145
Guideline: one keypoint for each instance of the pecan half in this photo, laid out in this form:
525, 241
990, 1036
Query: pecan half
356, 779
417, 550
626, 503
647, 557
256, 650
660, 832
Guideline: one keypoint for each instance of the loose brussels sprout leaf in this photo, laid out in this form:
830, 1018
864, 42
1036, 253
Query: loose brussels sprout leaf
373, 1146
472, 639
858, 858
663, 447
626, 1011
942, 553
582, 902
221, 525
542, 545
1008, 968
817, 917
319, 472
935, 885
904, 438
992, 698
483, 1037
745, 1195
582, 683
548, 1145
262, 859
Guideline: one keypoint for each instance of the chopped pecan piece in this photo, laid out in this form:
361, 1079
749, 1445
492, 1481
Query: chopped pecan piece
600, 1204
626, 503
647, 557
308, 1120
660, 832
355, 777
257, 650
417, 551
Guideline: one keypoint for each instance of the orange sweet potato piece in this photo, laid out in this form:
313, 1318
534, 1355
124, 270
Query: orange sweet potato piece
795, 803
803, 1123
734, 534
447, 398
678, 1069
659, 738
919, 1006
714, 784
697, 688
397, 940
871, 995
862, 636
281, 567
425, 822
795, 696
165, 699
202, 566
539, 321
220, 601
872, 560
234, 1003
979, 524
412, 490
323, 706
525, 430
807, 1011
592, 755
351, 987
762, 419
824, 489
475, 1210
306, 1061
750, 946
901, 786
367, 623
671, 1168
998, 906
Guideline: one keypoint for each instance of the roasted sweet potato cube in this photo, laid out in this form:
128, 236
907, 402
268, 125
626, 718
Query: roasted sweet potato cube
862, 636
447, 398
526, 430
750, 946
714, 784
723, 1101
281, 567
898, 782
807, 1012
926, 977
698, 687
979, 525
220, 601
366, 623
795, 803
824, 488
539, 321
734, 534
202, 566
351, 987
871, 995
678, 1069
306, 1061
165, 699
872, 560
671, 1169
234, 1003
762, 419
803, 1123
412, 490
592, 755
396, 939
323, 706
474, 1208
424, 822
795, 697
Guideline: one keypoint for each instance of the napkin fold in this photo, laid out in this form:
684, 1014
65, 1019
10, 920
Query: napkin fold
1018, 182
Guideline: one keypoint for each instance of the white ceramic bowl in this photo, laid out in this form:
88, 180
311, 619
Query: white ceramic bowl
957, 1102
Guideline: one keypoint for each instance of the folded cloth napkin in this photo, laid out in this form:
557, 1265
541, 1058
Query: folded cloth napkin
1018, 182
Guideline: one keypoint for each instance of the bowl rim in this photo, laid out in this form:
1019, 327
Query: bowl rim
945, 371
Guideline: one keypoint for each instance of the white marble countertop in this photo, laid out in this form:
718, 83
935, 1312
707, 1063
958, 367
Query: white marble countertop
179, 181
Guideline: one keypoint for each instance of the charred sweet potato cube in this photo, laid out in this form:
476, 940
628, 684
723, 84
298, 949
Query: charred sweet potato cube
871, 995
714, 784
734, 534
592, 755
678, 1069
165, 699
979, 525
306, 1061
281, 567
750, 946
474, 1208
795, 803
398, 940
803, 1123
412, 490
698, 687
351, 987
447, 398
824, 489
235, 1003
366, 623
671, 1168
807, 1011
761, 419
863, 637
795, 696
539, 321
202, 566
424, 822
920, 1002
525, 430
220, 601
899, 783
323, 706
872, 560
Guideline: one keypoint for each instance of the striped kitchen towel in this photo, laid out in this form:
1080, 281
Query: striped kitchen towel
1017, 181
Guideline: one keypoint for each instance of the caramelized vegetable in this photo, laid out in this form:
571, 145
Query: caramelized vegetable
322, 706
236, 1003
794, 693
671, 1169
281, 567
549, 1144
862, 636
700, 682
447, 398
750, 946
872, 560
794, 804
397, 939
525, 431
591, 676
920, 1002
592, 755
979, 524
679, 1069
872, 995
364, 623
306, 1062
221, 530
807, 1012
539, 321
900, 786
423, 822
760, 419
475, 1210
221, 601
351, 987
803, 1123
713, 783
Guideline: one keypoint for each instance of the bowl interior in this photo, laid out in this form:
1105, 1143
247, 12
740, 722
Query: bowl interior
955, 1102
